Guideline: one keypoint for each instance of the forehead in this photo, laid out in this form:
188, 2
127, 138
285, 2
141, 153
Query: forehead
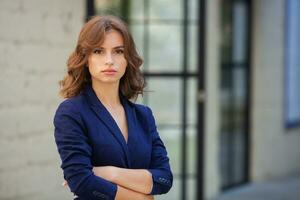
112, 38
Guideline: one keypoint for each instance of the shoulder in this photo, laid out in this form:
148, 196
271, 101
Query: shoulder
68, 113
72, 104
141, 109
70, 108
144, 113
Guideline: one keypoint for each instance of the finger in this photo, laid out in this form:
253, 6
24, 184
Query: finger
65, 183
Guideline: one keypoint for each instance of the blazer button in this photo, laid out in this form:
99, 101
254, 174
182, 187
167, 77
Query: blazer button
162, 180
100, 195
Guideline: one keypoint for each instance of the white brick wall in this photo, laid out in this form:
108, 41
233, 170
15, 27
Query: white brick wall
36, 37
275, 149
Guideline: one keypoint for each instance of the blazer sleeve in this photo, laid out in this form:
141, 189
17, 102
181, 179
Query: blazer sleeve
159, 167
75, 153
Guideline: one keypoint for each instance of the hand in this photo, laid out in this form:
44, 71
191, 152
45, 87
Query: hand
149, 197
107, 172
65, 183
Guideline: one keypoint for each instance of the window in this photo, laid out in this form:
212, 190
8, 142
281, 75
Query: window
292, 64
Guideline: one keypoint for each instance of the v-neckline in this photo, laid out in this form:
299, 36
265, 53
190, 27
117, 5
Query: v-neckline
126, 122
103, 114
126, 118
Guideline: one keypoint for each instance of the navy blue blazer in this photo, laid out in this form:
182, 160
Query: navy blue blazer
86, 135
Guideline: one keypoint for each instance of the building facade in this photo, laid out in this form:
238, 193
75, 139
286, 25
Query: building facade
220, 84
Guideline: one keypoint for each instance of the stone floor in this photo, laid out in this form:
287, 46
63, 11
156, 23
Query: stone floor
284, 189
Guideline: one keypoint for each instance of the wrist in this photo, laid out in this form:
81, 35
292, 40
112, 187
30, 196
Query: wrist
116, 171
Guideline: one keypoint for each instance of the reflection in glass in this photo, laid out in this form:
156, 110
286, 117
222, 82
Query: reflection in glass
193, 47
107, 7
193, 10
166, 9
171, 138
165, 50
165, 99
191, 186
137, 31
136, 10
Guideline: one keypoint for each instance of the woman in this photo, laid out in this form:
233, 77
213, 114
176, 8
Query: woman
109, 146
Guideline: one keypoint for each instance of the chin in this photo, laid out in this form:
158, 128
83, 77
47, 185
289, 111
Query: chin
110, 80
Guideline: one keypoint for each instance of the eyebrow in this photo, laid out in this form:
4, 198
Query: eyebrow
117, 47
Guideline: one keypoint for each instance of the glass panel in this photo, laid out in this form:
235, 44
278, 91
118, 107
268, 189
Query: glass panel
191, 121
191, 151
239, 156
192, 101
165, 48
193, 48
172, 140
136, 9
164, 97
191, 188
167, 9
239, 48
103, 7
193, 9
226, 40
137, 31
224, 154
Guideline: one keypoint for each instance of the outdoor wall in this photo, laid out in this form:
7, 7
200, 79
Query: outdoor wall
275, 150
212, 129
36, 38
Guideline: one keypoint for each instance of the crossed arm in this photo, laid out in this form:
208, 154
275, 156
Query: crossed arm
129, 181
132, 183
139, 180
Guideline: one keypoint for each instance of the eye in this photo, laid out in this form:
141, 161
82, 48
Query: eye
98, 51
119, 51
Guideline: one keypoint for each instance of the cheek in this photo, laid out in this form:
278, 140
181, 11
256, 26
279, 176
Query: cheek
93, 61
121, 62
94, 64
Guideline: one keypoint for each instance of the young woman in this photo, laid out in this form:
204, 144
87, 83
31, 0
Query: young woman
109, 146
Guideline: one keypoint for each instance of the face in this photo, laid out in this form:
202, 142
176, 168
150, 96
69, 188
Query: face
107, 64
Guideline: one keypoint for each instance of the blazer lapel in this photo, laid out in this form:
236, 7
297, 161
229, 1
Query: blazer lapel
103, 114
131, 118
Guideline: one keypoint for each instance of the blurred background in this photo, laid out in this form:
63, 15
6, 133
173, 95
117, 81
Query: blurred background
223, 81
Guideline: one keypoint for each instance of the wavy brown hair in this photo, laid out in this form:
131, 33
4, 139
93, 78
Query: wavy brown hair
91, 36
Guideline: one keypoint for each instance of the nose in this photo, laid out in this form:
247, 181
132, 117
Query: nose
109, 59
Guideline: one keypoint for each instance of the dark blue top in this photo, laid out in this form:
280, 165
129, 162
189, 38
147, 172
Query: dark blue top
86, 135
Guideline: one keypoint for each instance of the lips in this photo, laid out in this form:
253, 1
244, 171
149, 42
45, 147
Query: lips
109, 70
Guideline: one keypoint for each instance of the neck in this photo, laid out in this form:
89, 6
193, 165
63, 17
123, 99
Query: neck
107, 93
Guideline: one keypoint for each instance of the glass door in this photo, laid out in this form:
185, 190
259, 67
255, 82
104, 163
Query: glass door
234, 136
